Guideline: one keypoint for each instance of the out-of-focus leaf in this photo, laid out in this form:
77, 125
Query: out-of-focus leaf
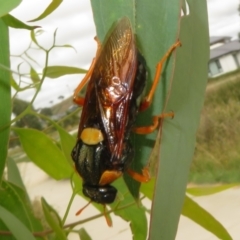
44, 153
17, 228
33, 37
5, 93
199, 215
66, 46
203, 191
67, 143
14, 84
34, 76
51, 7
15, 23
14, 174
7, 6
53, 220
58, 71
148, 188
16, 200
83, 234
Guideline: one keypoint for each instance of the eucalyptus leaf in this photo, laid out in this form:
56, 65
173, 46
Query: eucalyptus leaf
16, 200
5, 92
17, 228
135, 214
58, 71
16, 23
53, 220
51, 7
44, 153
204, 191
7, 6
83, 234
14, 175
199, 215
34, 76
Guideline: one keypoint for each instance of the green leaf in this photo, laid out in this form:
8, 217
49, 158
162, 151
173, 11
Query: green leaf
7, 6
44, 153
199, 215
33, 37
66, 46
16, 200
15, 23
14, 174
179, 134
148, 188
51, 7
195, 212
67, 143
5, 93
135, 214
17, 228
58, 71
83, 234
34, 76
53, 220
204, 191
14, 83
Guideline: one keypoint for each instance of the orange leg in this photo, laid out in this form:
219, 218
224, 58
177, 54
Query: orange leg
148, 99
144, 177
151, 128
79, 100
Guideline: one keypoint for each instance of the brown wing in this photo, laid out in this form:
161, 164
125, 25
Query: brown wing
110, 87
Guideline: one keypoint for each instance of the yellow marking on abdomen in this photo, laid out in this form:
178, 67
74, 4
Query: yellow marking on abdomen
91, 136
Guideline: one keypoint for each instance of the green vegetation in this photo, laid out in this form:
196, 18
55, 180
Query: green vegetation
217, 155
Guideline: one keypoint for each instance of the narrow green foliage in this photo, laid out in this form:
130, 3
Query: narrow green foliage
7, 6
83, 235
5, 93
51, 7
44, 153
58, 71
16, 23
199, 215
14, 174
17, 228
53, 220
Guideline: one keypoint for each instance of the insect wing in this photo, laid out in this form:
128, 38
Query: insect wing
110, 88
116, 69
